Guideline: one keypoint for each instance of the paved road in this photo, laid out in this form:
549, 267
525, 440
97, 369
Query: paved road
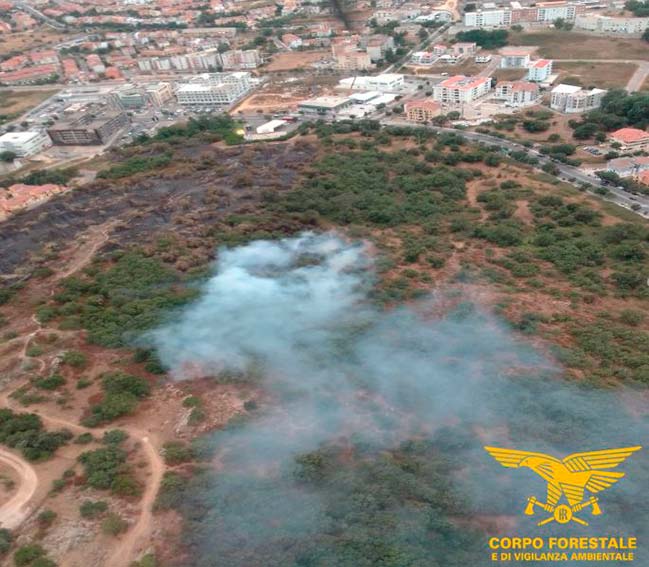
34, 12
637, 79
419, 47
566, 172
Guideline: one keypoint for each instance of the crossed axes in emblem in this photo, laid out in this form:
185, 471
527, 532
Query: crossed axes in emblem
562, 513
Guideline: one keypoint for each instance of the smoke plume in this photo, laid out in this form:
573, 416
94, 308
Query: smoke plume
296, 316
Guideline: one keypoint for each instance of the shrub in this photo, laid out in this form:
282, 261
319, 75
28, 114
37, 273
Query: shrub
5, 540
114, 525
27, 554
102, 466
176, 452
50, 383
84, 439
90, 509
631, 317
46, 518
75, 359
114, 437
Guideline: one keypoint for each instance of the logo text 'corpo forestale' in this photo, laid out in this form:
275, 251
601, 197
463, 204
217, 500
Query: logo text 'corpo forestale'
572, 484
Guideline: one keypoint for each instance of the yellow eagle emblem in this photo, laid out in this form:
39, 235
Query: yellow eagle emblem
569, 477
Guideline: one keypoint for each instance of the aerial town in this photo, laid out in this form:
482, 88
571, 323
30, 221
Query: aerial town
80, 78
278, 277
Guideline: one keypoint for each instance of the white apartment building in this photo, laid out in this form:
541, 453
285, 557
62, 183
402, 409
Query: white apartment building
539, 71
241, 59
460, 89
517, 93
488, 19
573, 99
214, 89
609, 24
24, 144
515, 59
550, 11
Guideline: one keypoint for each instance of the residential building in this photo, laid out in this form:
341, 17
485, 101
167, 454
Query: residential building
464, 49
241, 59
214, 89
517, 93
514, 58
353, 59
460, 89
422, 110
541, 13
423, 58
630, 139
539, 71
482, 58
610, 24
573, 99
628, 166
488, 19
324, 105
24, 144
291, 41
31, 75
548, 12
377, 46
89, 129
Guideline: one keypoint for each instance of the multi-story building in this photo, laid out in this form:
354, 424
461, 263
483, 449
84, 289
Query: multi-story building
630, 139
460, 89
514, 58
377, 46
214, 89
573, 99
464, 49
422, 110
159, 93
543, 12
611, 24
488, 19
89, 129
24, 144
241, 59
517, 93
539, 71
129, 97
353, 59
548, 12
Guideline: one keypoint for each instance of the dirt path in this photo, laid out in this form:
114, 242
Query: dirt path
16, 510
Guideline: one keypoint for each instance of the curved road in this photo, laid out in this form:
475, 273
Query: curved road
16, 510
617, 196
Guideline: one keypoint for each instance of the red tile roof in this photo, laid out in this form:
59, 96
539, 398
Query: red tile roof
629, 135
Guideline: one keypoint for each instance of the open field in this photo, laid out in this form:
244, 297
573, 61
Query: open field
572, 45
466, 67
509, 74
600, 75
14, 103
292, 60
17, 42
